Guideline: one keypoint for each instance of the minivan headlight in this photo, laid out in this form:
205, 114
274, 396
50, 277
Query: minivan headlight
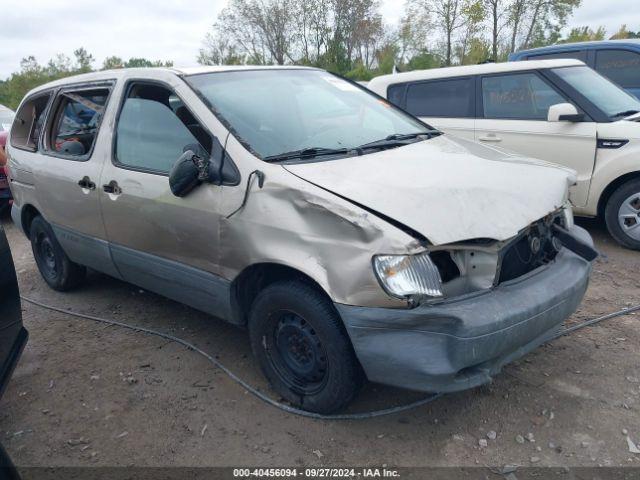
406, 275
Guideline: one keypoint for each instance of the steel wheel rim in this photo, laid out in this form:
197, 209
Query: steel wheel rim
629, 216
297, 354
47, 255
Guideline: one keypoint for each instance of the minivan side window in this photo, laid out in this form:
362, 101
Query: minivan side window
620, 66
154, 127
522, 96
442, 98
27, 125
76, 120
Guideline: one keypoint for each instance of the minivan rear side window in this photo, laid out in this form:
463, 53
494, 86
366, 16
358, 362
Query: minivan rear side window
154, 127
442, 98
520, 96
75, 122
620, 66
27, 124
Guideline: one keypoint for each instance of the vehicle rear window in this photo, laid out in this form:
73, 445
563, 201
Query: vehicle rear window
620, 66
576, 54
441, 98
28, 122
76, 121
522, 96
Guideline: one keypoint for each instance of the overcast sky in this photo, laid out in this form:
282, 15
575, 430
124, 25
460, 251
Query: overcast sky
172, 29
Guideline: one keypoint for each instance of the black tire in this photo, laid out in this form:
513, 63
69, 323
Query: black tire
628, 194
302, 346
56, 269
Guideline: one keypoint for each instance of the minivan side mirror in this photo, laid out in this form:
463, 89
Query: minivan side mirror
564, 112
195, 166
187, 173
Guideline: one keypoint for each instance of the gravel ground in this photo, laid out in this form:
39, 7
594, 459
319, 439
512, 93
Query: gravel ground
86, 395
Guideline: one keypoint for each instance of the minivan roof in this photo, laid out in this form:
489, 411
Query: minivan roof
564, 47
379, 84
120, 72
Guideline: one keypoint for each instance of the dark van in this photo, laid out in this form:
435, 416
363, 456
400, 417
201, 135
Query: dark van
618, 60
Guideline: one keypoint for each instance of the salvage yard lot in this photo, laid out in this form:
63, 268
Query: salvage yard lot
86, 394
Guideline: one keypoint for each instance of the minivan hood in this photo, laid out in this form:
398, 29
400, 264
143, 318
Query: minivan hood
448, 190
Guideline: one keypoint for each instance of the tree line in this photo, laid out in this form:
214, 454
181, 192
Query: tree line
33, 74
349, 37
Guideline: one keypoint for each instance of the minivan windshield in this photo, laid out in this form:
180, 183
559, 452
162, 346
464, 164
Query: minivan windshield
607, 96
287, 113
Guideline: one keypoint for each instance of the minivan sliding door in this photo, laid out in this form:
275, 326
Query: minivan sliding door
67, 172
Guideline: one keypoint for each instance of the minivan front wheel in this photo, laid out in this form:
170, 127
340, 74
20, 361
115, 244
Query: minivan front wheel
622, 214
56, 269
299, 340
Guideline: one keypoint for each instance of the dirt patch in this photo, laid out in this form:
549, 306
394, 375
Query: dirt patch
85, 394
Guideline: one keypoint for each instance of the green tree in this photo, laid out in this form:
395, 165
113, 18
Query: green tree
111, 63
623, 33
584, 34
84, 60
425, 60
139, 62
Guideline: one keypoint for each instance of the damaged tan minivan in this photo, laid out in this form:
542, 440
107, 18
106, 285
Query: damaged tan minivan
352, 240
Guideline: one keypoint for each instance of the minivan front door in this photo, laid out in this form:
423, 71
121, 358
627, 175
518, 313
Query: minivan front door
513, 115
158, 241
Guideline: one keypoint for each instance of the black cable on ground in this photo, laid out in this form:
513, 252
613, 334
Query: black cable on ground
288, 408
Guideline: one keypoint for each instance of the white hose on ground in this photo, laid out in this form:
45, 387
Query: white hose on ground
288, 408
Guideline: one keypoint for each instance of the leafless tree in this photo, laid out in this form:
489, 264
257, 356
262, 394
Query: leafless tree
496, 13
448, 17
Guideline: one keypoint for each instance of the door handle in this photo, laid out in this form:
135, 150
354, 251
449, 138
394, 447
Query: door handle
489, 138
87, 183
112, 187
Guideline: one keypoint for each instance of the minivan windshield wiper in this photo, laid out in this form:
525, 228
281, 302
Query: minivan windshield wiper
391, 141
398, 140
303, 153
626, 113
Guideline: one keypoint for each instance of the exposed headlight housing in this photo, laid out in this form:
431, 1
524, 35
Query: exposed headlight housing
404, 276
567, 212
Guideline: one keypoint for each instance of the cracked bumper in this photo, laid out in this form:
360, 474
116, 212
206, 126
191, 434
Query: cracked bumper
462, 343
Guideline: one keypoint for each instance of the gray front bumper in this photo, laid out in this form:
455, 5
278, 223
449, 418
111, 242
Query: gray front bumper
462, 343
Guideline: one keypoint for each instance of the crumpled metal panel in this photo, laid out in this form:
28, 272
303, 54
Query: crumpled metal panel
437, 188
448, 190
291, 222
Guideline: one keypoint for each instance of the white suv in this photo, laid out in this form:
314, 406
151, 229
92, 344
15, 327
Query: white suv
560, 111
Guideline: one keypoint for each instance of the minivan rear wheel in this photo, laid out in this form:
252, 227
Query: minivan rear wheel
622, 214
298, 338
56, 269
